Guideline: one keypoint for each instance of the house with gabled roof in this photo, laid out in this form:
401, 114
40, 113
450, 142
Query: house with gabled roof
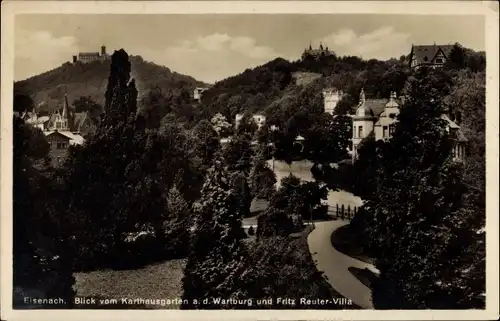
433, 56
378, 117
63, 130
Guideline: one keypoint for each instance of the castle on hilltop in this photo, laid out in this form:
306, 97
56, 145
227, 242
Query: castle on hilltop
316, 53
86, 57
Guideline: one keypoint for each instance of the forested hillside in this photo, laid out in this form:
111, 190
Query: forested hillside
89, 80
254, 90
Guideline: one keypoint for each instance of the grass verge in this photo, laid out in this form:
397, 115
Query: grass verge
344, 241
153, 282
365, 276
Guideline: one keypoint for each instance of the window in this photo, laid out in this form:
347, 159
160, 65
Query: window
58, 125
439, 60
425, 58
354, 134
62, 145
360, 132
391, 129
386, 132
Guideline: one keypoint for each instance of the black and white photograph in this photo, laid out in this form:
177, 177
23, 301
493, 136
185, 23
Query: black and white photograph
259, 161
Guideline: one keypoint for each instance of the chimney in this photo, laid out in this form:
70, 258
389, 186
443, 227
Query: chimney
74, 59
103, 50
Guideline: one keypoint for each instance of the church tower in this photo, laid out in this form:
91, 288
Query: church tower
62, 121
362, 124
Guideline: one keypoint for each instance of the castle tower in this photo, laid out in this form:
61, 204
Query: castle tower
362, 123
103, 50
331, 98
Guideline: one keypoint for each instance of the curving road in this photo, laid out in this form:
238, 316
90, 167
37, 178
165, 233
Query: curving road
334, 264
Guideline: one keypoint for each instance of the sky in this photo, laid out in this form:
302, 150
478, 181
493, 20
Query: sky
212, 47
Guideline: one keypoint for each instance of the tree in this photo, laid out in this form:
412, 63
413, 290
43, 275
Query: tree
327, 139
246, 126
457, 58
41, 257
121, 96
216, 263
238, 153
346, 105
22, 102
117, 180
242, 190
290, 205
86, 104
206, 142
420, 225
177, 225
221, 125
262, 179
154, 106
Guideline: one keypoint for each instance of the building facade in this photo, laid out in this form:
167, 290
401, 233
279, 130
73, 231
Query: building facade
378, 117
433, 56
32, 118
62, 129
258, 119
86, 57
198, 93
331, 98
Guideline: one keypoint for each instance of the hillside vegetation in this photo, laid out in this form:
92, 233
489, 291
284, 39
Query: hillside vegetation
255, 90
90, 80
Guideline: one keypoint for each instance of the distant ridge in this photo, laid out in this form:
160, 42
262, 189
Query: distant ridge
90, 79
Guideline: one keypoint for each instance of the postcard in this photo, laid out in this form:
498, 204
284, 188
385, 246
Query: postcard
249, 160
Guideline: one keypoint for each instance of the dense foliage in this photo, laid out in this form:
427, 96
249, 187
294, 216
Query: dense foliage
153, 181
117, 182
42, 259
421, 216
217, 261
292, 204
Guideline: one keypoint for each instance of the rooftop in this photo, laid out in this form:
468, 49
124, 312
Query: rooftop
430, 51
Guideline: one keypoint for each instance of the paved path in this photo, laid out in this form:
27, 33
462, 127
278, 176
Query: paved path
335, 264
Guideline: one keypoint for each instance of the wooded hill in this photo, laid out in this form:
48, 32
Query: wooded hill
254, 90
89, 80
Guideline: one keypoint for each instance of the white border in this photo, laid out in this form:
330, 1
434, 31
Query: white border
488, 9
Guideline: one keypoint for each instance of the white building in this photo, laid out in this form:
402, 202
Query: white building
331, 98
258, 119
198, 92
379, 116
